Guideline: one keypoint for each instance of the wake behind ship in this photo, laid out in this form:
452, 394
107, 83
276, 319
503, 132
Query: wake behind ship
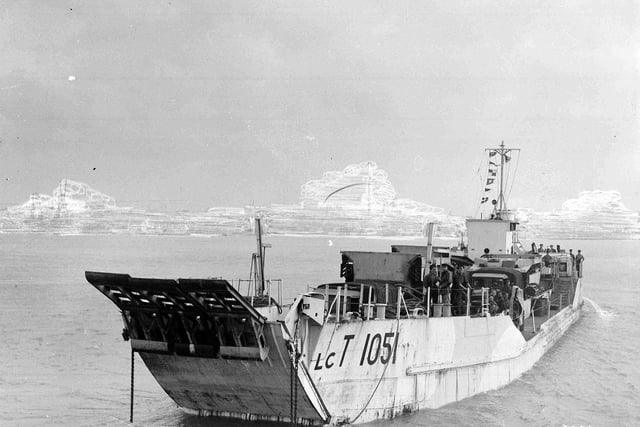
396, 336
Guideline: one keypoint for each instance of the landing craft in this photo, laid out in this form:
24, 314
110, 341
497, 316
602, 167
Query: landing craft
388, 340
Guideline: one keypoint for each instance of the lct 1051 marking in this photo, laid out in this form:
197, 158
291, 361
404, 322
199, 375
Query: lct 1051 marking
377, 349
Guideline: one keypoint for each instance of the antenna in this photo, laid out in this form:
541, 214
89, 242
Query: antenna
504, 158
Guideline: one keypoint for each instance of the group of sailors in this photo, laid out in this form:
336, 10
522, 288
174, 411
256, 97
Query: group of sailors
447, 287
547, 259
498, 301
541, 249
453, 288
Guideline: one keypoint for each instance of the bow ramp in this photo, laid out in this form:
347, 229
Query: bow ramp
210, 349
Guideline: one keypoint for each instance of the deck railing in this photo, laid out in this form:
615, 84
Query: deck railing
247, 287
343, 301
349, 301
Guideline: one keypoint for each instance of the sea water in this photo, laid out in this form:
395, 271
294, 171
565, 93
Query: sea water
63, 360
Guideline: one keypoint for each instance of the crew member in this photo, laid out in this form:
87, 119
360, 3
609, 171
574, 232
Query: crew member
500, 300
431, 281
493, 306
445, 286
459, 292
579, 261
546, 259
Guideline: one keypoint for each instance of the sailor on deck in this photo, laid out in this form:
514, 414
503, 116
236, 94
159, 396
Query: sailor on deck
445, 286
431, 281
459, 292
579, 261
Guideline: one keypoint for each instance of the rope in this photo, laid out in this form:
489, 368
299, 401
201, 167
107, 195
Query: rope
291, 390
384, 371
132, 377
293, 385
482, 181
515, 172
295, 390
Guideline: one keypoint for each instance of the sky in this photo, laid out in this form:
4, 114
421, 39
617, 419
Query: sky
189, 105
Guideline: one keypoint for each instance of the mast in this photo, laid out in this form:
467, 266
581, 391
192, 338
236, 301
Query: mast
259, 260
504, 158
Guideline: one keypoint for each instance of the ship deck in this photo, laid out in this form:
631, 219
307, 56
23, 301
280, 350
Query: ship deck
532, 324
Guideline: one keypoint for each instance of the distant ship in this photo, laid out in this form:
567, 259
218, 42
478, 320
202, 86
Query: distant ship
375, 346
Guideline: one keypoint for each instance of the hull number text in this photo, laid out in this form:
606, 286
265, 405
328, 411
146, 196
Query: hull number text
377, 348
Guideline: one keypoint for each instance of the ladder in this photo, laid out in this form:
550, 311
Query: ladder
485, 302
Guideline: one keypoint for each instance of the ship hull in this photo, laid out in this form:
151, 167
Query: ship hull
361, 371
257, 390
435, 361
437, 379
